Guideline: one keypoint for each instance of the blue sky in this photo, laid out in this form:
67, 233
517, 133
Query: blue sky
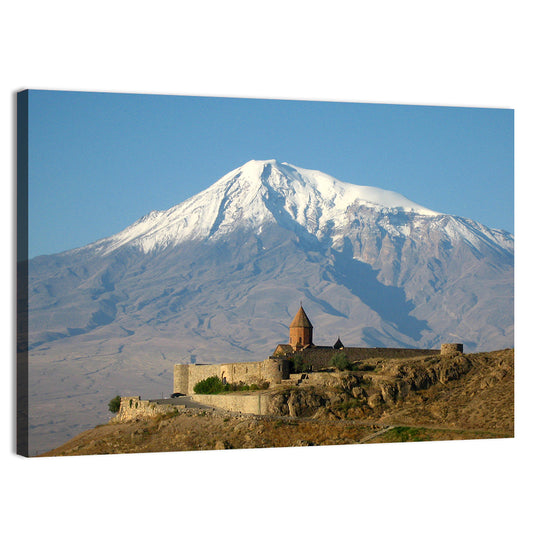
100, 161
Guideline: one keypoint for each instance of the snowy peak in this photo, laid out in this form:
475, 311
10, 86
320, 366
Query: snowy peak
300, 184
257, 193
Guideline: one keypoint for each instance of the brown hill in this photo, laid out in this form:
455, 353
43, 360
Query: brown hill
380, 400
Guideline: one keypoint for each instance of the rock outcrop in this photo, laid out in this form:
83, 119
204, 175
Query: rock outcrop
384, 386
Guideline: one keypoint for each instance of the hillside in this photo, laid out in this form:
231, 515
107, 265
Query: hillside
418, 399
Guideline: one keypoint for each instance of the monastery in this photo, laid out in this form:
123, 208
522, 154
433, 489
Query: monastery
281, 363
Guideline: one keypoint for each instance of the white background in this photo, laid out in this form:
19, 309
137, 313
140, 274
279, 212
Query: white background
464, 53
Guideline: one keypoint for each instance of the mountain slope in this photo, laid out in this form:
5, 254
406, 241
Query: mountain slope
220, 276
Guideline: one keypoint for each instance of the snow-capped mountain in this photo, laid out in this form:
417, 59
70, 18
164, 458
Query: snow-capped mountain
259, 192
219, 277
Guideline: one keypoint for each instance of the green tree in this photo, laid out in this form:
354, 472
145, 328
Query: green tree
298, 363
114, 404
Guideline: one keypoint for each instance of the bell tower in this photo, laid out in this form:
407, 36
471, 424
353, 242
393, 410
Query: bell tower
300, 331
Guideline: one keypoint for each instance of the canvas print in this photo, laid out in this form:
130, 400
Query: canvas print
204, 273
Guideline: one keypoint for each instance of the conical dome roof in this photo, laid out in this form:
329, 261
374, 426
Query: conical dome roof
301, 320
338, 345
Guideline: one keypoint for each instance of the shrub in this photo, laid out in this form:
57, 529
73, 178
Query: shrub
214, 385
114, 404
211, 385
340, 362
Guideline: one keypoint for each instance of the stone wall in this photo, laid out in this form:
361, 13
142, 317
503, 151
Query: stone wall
255, 404
199, 372
271, 370
246, 372
181, 378
451, 348
319, 357
132, 407
274, 370
187, 376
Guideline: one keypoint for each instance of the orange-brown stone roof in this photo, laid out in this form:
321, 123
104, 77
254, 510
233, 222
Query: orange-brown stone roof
301, 320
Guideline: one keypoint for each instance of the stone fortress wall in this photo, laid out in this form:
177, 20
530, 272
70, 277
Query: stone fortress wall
255, 404
132, 407
318, 358
272, 371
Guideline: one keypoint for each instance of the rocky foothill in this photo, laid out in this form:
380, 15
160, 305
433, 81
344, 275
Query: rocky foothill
423, 398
